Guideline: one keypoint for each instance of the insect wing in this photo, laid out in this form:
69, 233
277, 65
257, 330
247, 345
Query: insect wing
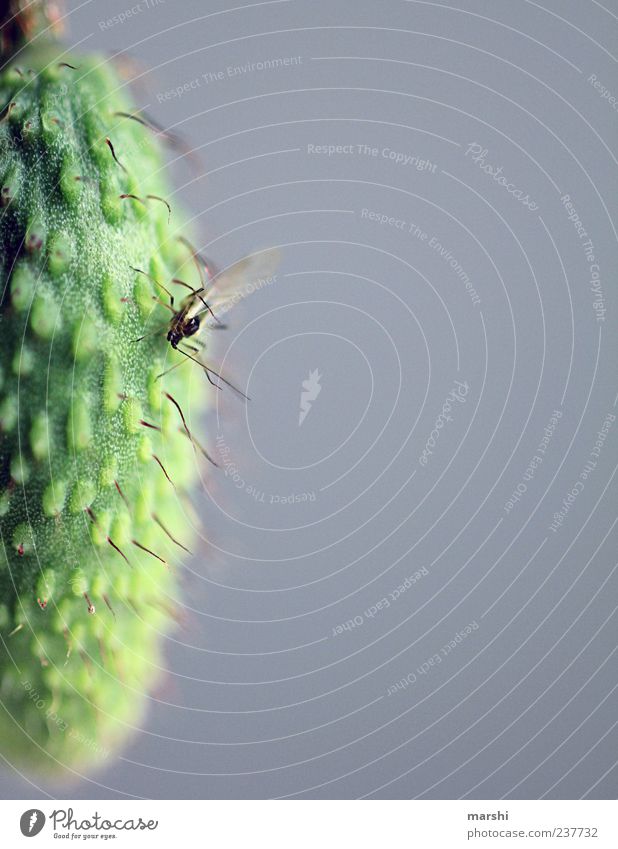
246, 276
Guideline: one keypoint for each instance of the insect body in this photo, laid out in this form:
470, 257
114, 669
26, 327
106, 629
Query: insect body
186, 322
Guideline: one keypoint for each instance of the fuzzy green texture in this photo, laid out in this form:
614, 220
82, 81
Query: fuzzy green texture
80, 627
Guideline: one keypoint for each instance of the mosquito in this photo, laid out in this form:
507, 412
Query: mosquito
188, 318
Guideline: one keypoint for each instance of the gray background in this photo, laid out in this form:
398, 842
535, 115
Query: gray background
263, 698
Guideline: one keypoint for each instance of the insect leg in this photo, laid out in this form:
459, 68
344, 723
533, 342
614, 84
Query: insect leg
156, 282
167, 371
163, 304
152, 333
219, 376
208, 308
